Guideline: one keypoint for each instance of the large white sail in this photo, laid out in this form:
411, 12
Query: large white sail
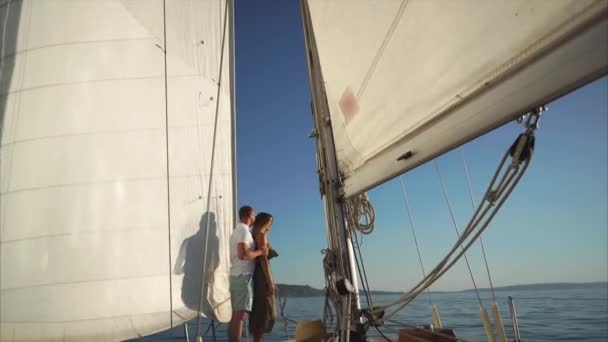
408, 80
88, 174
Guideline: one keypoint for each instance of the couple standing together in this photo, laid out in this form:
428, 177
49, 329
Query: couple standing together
252, 288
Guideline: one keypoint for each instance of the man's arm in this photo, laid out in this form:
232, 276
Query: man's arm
246, 254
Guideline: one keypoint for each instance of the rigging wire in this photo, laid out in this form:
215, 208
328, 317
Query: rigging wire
483, 249
217, 109
409, 212
363, 273
498, 191
447, 200
168, 176
382, 334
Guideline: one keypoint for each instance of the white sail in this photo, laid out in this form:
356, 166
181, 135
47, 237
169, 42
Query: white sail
408, 80
86, 248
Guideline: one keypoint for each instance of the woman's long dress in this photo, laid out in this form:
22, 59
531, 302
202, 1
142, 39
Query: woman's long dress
263, 312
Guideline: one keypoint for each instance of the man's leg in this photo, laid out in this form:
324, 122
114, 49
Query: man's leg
236, 325
241, 296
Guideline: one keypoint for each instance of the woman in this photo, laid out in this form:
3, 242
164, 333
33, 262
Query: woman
261, 319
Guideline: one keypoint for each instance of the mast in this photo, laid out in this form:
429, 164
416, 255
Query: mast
340, 273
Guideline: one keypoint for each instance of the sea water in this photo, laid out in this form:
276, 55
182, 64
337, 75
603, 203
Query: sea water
544, 314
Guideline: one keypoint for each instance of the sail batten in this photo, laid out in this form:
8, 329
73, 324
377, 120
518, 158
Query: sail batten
421, 77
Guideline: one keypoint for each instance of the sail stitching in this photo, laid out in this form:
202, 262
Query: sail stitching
78, 42
76, 282
382, 47
103, 181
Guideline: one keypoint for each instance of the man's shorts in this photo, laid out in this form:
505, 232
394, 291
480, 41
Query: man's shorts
241, 292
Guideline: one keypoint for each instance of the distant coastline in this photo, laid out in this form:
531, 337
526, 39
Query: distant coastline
294, 291
543, 286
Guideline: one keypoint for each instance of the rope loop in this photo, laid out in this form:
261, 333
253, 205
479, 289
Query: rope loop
360, 214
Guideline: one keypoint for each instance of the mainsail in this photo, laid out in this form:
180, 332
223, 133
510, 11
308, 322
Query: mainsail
406, 81
117, 166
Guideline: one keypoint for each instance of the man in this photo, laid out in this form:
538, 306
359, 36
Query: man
242, 257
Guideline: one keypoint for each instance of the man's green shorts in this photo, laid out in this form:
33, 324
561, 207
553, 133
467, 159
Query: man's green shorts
241, 292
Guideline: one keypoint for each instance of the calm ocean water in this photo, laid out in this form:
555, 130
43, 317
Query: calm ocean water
579, 314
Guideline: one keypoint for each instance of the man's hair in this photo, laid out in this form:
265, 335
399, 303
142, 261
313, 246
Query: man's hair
245, 211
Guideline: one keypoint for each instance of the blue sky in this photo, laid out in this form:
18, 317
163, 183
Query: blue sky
553, 228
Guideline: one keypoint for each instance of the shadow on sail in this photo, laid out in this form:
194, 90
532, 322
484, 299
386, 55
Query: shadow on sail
193, 252
10, 15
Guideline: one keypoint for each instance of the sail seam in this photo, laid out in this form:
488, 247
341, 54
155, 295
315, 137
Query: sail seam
101, 80
99, 280
81, 232
71, 135
66, 185
102, 132
80, 42
380, 51
86, 319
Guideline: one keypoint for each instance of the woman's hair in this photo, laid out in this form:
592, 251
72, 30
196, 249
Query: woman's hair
262, 220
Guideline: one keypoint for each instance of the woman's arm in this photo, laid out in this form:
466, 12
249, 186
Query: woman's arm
262, 240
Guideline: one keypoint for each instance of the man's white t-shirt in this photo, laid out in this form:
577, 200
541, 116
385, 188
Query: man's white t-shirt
241, 234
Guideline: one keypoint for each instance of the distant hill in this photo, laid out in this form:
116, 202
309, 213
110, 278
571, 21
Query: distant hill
374, 292
308, 291
286, 290
546, 286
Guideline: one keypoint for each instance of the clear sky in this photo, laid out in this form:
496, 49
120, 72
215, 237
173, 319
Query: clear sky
554, 228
